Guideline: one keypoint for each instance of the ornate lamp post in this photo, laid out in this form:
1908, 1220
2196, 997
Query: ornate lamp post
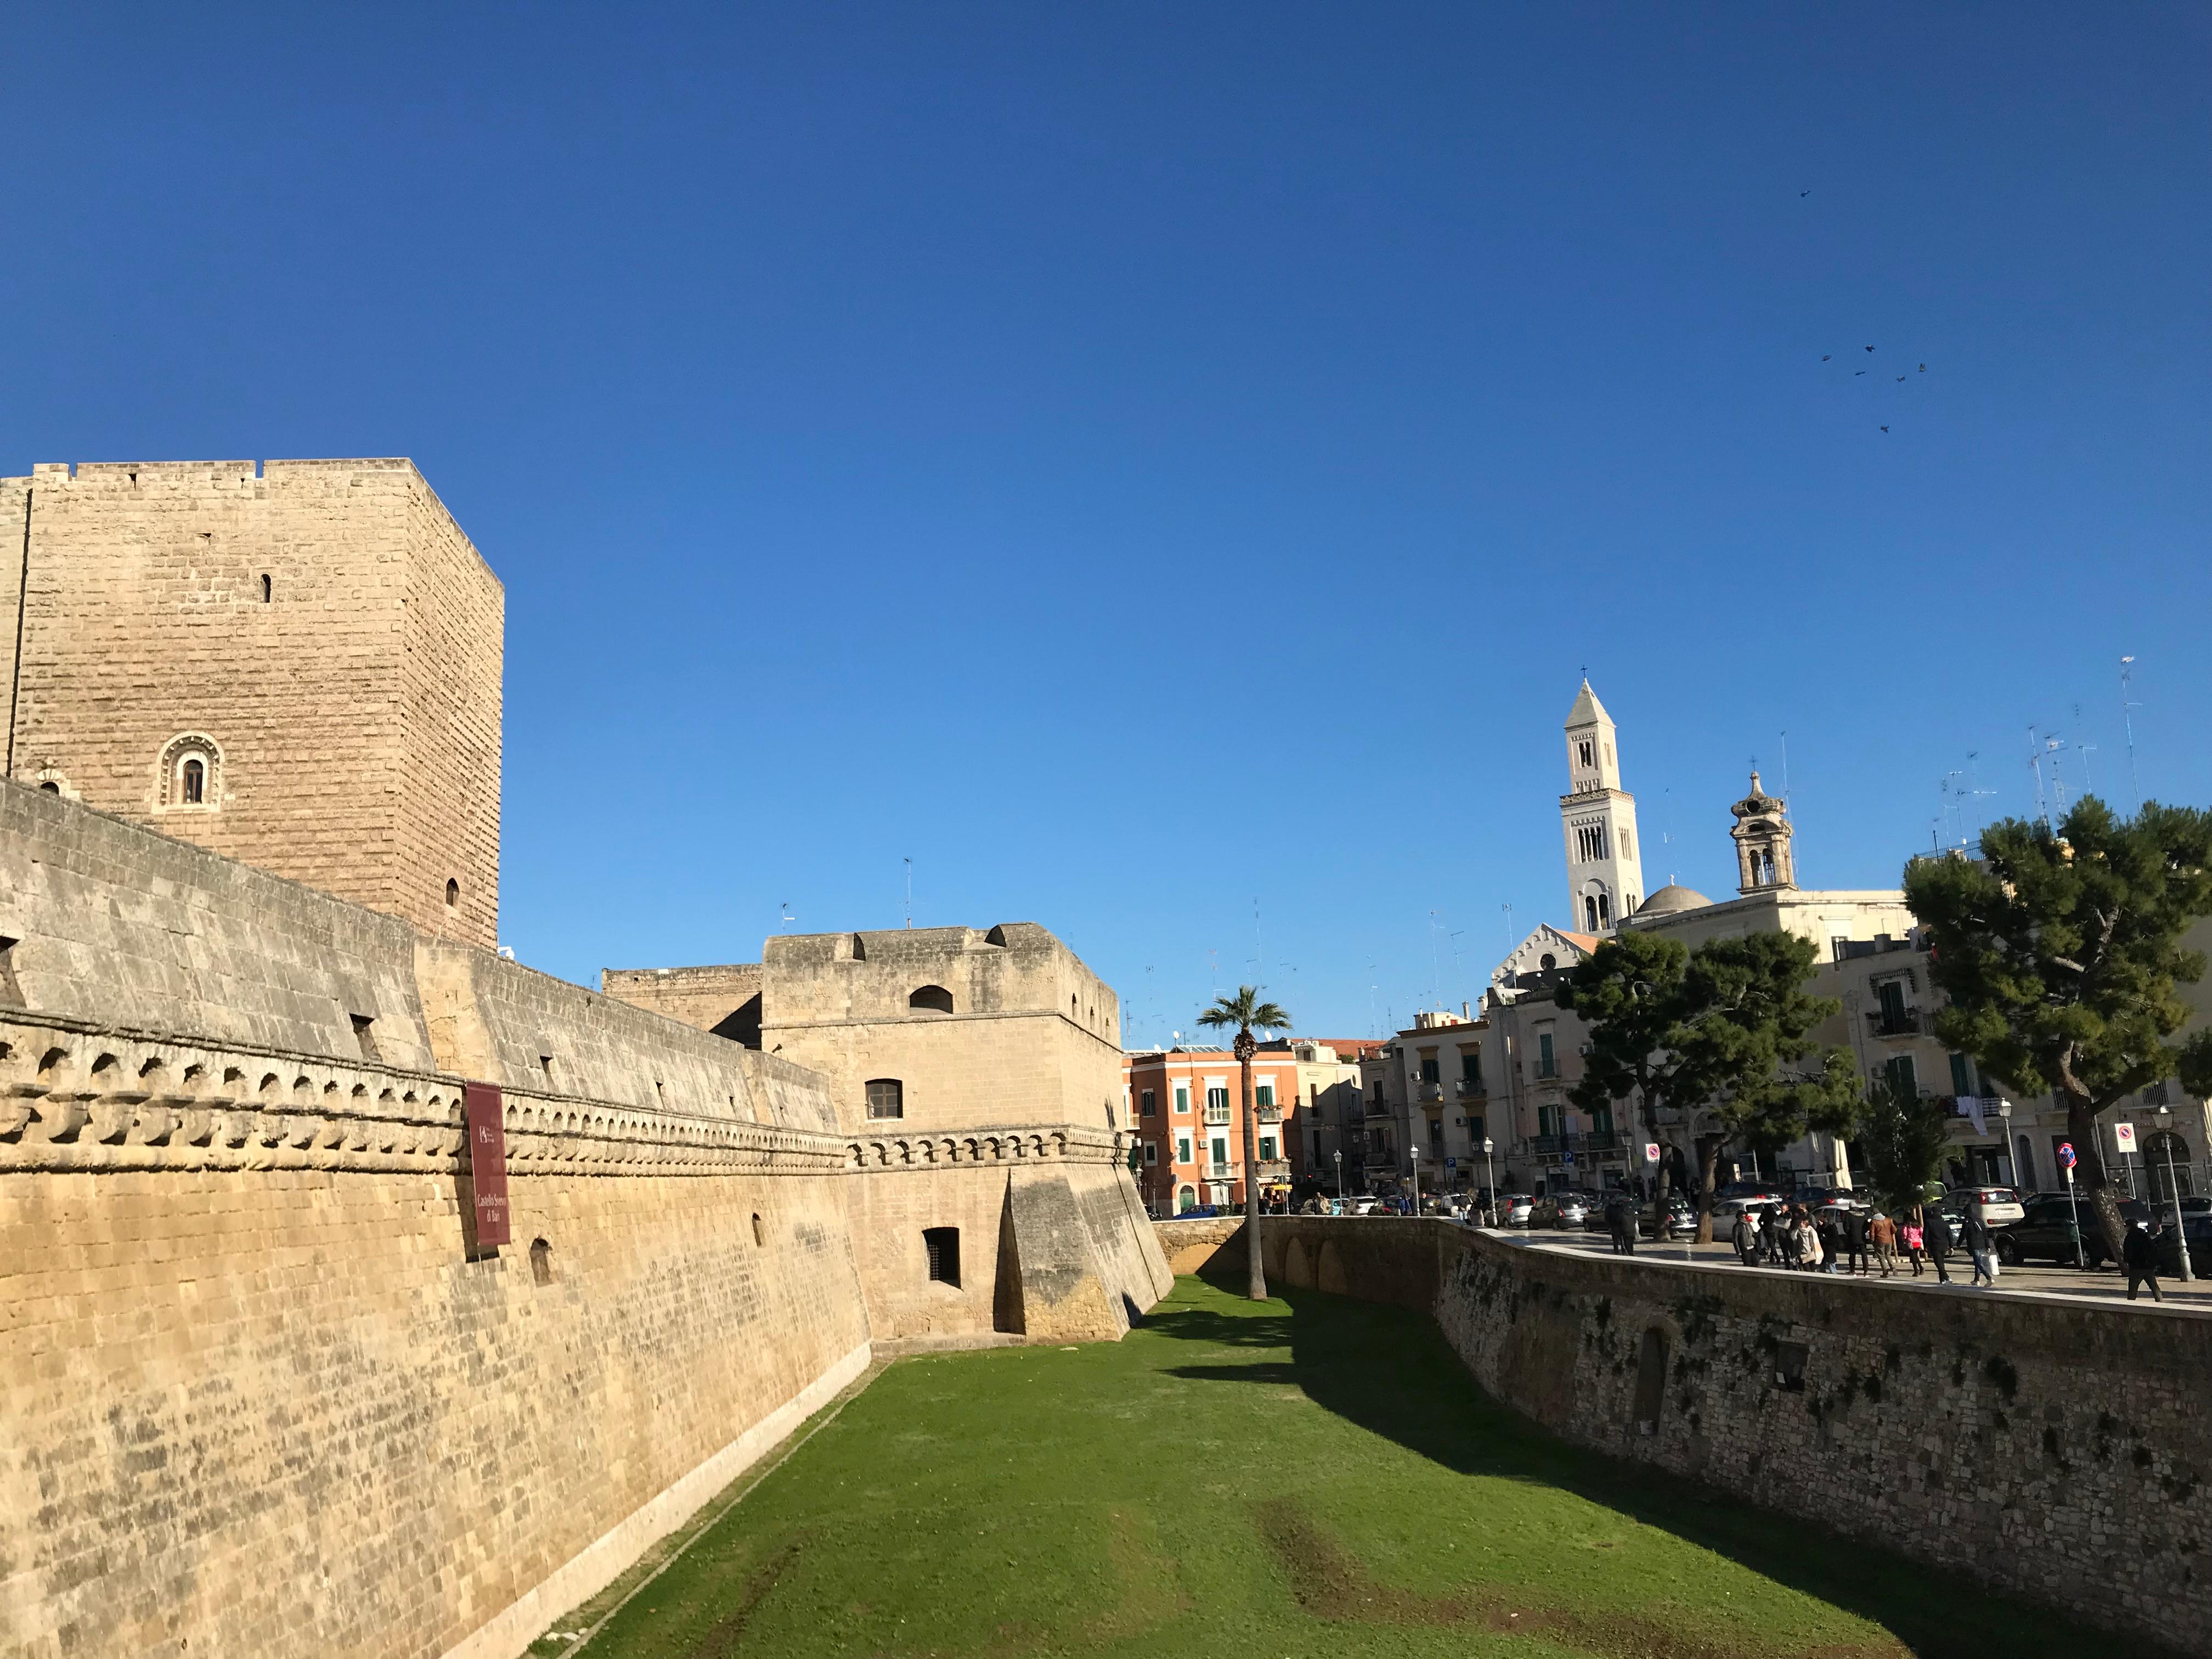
1340, 1182
1490, 1174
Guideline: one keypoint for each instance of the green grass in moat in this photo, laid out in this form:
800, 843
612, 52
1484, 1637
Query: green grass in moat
1303, 1476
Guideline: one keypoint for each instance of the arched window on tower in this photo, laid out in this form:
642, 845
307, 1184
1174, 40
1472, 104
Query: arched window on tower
1589, 912
191, 773
1604, 911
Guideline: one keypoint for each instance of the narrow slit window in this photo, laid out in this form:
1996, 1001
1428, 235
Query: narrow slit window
453, 893
268, 589
364, 1035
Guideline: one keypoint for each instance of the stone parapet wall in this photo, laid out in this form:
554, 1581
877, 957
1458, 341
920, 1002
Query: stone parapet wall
2054, 1447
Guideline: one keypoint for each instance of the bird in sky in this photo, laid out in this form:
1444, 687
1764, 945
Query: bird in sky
1856, 373
1900, 380
1869, 348
1825, 356
1885, 428
1923, 368
1803, 194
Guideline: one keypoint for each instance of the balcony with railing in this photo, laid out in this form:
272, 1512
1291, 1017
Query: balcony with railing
1472, 1088
1274, 1169
1269, 1113
1380, 1108
1893, 1022
1217, 1116
1428, 1092
1220, 1171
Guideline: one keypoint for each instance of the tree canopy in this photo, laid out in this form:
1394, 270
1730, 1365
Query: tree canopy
1712, 1034
2059, 951
1902, 1139
1247, 1012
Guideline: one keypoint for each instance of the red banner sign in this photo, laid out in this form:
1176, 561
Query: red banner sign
488, 1161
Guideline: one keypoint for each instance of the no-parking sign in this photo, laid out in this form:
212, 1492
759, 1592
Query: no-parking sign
2124, 1137
2066, 1153
1651, 1152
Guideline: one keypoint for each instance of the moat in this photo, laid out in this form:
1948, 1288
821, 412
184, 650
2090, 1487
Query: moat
1307, 1475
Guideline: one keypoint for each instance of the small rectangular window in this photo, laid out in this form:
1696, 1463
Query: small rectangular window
1266, 1149
886, 1098
1151, 1106
1898, 1069
1151, 1151
1432, 1069
1263, 1094
1470, 1066
1217, 1100
1962, 1075
1547, 1063
364, 1035
1182, 1097
943, 1246
1182, 1149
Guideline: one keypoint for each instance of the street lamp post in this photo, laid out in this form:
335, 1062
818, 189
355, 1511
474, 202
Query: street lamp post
2173, 1191
2005, 1132
1414, 1146
1339, 1181
1490, 1174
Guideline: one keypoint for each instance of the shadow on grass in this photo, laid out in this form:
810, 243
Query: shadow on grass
1391, 1372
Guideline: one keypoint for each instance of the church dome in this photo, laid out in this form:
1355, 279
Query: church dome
1672, 901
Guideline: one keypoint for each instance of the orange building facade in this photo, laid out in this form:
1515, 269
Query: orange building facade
1185, 1106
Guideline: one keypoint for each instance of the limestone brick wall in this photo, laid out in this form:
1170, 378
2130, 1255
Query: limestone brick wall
260, 1402
325, 625
1016, 967
1052, 1242
713, 998
2052, 1448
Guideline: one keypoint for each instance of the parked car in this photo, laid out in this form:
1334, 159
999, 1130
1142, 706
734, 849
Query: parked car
2047, 1231
1514, 1209
1682, 1219
1813, 1198
1740, 1190
1726, 1210
1998, 1206
1365, 1204
1565, 1209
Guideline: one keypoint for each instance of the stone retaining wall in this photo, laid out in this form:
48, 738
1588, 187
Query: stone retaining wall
2054, 1448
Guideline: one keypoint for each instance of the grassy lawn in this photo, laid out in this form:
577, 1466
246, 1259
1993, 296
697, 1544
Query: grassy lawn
1303, 1476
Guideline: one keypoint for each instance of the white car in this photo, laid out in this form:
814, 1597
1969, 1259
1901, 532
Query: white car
1997, 1206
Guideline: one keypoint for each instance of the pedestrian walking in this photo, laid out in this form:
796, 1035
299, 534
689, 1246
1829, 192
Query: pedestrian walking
1883, 1232
2139, 1256
1977, 1239
1916, 1239
1745, 1237
1855, 1240
1938, 1232
1808, 1245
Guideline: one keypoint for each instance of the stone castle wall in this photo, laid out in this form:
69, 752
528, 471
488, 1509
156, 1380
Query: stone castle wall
2052, 1448
260, 1395
325, 624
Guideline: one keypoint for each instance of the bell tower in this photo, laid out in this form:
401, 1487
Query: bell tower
1605, 872
1762, 833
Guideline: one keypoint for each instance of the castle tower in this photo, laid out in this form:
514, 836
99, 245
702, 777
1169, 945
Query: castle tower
1761, 835
294, 664
1605, 873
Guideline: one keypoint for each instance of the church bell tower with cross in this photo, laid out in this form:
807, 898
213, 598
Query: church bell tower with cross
1605, 873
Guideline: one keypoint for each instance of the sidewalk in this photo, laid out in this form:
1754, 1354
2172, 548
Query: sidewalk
2105, 1284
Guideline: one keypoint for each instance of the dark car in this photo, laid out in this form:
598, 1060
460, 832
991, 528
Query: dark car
1682, 1219
2047, 1231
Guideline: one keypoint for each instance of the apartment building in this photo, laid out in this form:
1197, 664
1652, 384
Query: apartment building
1186, 1107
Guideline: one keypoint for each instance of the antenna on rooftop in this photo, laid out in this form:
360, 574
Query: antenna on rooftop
787, 918
909, 893
2127, 715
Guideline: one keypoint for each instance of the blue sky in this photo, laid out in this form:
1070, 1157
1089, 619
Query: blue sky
1160, 468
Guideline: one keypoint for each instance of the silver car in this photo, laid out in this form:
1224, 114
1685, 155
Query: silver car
1515, 1209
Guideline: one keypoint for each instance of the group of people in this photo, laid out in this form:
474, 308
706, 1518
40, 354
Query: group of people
1852, 1241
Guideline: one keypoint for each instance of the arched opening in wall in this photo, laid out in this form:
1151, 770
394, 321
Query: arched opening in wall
1650, 1381
760, 1233
453, 893
50, 786
859, 949
942, 1246
886, 1098
541, 1261
1186, 1199
2165, 1157
268, 588
190, 772
932, 1000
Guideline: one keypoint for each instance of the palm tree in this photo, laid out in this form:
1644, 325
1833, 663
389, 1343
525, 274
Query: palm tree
1244, 1011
